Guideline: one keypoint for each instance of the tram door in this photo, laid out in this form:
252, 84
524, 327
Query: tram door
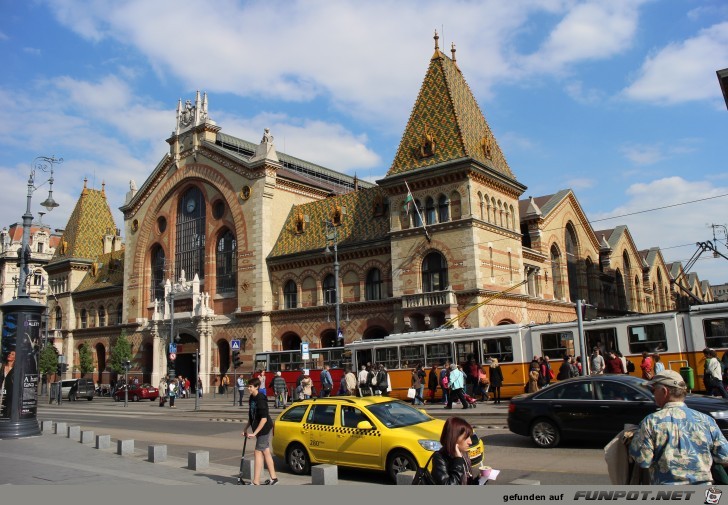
466, 350
363, 357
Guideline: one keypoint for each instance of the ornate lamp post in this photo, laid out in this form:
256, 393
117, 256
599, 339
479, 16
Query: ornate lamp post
21, 328
332, 237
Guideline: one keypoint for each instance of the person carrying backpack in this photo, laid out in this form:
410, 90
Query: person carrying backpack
327, 382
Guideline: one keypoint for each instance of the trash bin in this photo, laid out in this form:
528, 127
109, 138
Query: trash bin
688, 376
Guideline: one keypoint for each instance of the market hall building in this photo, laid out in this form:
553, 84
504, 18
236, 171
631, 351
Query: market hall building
226, 240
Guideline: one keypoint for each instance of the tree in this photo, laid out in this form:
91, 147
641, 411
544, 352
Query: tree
48, 360
85, 359
120, 353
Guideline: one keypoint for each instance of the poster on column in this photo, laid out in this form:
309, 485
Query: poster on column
20, 336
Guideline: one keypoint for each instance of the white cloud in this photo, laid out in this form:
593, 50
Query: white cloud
31, 50
683, 71
580, 94
580, 183
648, 154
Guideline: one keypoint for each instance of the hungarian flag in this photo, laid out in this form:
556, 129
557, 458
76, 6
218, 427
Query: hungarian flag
408, 202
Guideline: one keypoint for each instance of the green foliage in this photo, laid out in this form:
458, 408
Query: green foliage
120, 353
48, 360
85, 359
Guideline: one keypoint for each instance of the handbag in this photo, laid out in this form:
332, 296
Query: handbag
423, 477
411, 393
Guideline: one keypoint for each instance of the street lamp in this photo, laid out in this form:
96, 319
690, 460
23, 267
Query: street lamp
22, 325
170, 362
332, 237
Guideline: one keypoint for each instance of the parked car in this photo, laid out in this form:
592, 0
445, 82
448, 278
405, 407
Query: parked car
594, 407
370, 432
137, 392
73, 389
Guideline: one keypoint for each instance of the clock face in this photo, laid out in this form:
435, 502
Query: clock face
190, 206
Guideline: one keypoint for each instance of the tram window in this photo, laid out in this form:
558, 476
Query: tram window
498, 348
716, 332
411, 355
605, 339
557, 345
647, 337
336, 358
438, 354
387, 356
465, 350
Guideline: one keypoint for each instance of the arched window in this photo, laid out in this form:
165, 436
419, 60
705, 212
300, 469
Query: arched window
227, 263
482, 206
621, 295
513, 218
102, 316
84, 318
592, 282
329, 288
572, 258
374, 284
290, 295
638, 294
415, 211
443, 209
430, 214
156, 287
59, 318
627, 281
455, 209
119, 313
556, 272
190, 246
434, 273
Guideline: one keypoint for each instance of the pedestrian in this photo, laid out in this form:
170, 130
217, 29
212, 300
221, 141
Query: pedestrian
362, 378
172, 393
187, 387
625, 366
456, 382
418, 375
579, 365
279, 389
199, 387
565, 369
351, 381
180, 386
614, 365
451, 463
372, 379
263, 390
383, 385
472, 375
445, 382
596, 361
575, 366
676, 444
240, 384
535, 364
659, 367
483, 386
712, 374
225, 382
496, 380
162, 391
261, 424
545, 374
532, 385
432, 380
646, 366
327, 383
306, 387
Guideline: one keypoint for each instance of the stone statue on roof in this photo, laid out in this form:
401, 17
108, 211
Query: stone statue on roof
267, 137
132, 185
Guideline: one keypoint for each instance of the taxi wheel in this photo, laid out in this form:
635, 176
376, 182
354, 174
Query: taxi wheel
400, 461
298, 460
545, 434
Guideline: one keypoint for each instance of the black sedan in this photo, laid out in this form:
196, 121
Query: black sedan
594, 407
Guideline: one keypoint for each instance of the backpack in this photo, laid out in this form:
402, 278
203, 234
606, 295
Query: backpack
423, 477
630, 366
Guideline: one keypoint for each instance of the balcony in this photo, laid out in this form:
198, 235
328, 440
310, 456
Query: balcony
427, 300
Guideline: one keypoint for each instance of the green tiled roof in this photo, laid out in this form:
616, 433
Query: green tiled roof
447, 109
90, 220
358, 224
109, 272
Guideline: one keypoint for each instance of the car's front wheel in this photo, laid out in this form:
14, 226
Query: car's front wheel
545, 433
298, 459
400, 461
135, 398
117, 398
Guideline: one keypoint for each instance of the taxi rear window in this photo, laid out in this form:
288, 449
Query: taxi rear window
295, 414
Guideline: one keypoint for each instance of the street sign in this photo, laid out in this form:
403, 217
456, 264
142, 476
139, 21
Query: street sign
304, 351
172, 348
235, 345
172, 356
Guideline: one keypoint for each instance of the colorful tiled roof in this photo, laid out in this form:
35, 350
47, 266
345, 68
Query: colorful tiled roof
107, 271
447, 124
358, 224
90, 220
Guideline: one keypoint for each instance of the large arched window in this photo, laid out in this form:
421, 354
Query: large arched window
415, 211
157, 281
572, 258
443, 209
374, 284
227, 263
626, 265
556, 273
290, 295
59, 318
119, 313
621, 295
190, 246
329, 288
84, 318
434, 273
102, 316
430, 214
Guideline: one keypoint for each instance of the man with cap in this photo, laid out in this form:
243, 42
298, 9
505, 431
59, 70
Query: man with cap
677, 444
279, 388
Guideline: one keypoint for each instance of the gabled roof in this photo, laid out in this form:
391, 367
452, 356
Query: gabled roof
359, 223
448, 119
90, 220
107, 272
545, 203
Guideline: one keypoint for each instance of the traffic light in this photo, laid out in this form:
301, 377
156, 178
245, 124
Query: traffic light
236, 359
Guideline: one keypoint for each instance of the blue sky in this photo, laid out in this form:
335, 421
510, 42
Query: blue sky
617, 100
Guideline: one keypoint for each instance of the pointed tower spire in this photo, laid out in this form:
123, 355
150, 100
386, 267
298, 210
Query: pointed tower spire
437, 46
103, 188
452, 50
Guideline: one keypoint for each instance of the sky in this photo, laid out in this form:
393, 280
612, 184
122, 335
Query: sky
617, 100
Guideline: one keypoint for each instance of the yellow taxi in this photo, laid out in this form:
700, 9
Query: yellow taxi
372, 432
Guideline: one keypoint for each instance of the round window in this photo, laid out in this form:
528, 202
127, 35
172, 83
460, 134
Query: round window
161, 224
218, 209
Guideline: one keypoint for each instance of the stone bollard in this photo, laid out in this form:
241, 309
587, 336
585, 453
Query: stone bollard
46, 426
325, 475
198, 460
157, 453
87, 437
405, 478
124, 447
74, 432
103, 441
248, 468
525, 482
61, 428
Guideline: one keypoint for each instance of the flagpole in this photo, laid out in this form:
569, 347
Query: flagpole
414, 202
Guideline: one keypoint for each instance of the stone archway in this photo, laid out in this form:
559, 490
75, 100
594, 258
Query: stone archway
374, 332
291, 342
100, 362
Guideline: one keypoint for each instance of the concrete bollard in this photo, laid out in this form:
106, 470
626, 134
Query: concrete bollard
87, 437
124, 447
61, 428
74, 432
325, 475
46, 426
248, 468
157, 453
405, 478
103, 441
525, 482
198, 460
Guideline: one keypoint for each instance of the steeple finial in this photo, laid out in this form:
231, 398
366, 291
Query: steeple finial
437, 38
103, 188
452, 50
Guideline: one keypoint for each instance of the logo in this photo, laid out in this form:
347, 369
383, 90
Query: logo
712, 495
